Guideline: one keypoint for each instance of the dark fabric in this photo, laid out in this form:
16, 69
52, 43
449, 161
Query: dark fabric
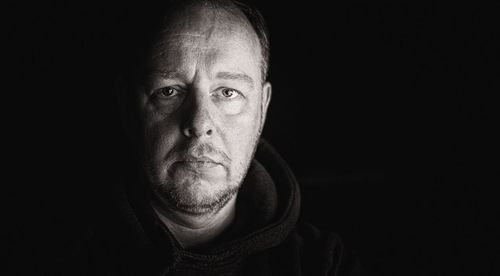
266, 238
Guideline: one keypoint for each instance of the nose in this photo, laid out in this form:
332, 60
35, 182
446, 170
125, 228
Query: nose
198, 120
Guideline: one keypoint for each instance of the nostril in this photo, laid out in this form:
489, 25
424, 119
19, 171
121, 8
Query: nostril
209, 132
188, 132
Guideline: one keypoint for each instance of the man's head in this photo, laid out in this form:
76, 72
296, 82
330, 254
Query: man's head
202, 104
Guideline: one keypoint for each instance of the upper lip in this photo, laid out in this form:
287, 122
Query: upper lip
201, 159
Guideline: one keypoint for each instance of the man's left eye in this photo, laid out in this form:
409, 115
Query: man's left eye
228, 93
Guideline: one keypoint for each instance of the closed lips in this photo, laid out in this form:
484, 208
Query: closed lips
204, 162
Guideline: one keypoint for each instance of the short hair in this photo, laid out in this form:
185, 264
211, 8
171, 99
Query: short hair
139, 34
259, 25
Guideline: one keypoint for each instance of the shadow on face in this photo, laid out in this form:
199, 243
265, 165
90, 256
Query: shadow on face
202, 106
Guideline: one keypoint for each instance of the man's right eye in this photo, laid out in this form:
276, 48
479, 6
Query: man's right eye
167, 92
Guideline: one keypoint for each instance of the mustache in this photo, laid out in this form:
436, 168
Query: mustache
204, 152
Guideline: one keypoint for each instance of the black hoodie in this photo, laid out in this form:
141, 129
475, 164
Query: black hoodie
266, 237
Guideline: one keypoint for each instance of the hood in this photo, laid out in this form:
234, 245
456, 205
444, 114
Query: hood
269, 188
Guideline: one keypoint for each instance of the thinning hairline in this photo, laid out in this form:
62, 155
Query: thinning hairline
235, 10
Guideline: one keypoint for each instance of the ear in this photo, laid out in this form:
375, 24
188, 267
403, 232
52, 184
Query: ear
266, 99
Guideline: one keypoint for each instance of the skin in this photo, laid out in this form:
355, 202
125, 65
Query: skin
202, 109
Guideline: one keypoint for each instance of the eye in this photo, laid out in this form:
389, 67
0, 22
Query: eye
167, 92
229, 93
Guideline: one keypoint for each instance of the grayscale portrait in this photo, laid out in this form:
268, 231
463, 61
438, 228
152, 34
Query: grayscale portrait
251, 137
215, 197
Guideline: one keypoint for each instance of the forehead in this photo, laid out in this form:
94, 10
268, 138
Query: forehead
209, 34
206, 20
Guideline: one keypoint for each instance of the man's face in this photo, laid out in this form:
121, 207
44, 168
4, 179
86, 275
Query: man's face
202, 109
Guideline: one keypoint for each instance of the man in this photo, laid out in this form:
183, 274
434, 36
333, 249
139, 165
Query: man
214, 199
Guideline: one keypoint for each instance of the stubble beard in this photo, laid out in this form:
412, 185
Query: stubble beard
184, 201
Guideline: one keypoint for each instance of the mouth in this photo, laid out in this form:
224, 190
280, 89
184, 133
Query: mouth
200, 163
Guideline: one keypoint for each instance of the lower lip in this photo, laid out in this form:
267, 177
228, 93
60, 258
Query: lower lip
209, 170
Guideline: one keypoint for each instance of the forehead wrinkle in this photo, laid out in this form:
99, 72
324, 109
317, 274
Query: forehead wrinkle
182, 45
236, 76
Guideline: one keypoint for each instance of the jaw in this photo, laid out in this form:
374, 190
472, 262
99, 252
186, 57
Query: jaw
195, 195
196, 219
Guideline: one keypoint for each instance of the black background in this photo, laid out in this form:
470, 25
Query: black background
386, 114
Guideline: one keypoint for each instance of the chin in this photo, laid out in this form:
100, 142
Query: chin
198, 197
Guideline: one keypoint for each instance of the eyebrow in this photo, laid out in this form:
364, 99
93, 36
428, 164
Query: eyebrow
221, 75
167, 74
236, 76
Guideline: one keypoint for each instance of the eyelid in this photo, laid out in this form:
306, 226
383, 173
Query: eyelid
161, 83
156, 92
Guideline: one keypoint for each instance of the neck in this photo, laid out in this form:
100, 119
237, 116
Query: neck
193, 231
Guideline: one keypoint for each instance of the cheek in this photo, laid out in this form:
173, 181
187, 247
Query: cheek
241, 132
160, 133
